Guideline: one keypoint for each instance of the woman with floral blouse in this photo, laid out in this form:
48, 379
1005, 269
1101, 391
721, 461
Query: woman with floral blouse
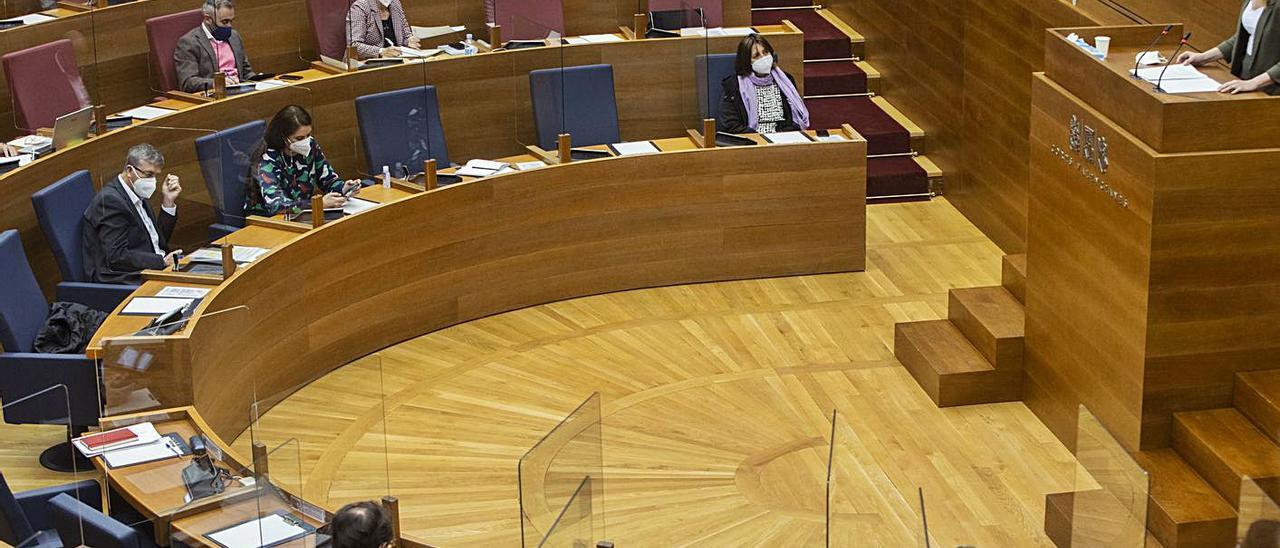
291, 167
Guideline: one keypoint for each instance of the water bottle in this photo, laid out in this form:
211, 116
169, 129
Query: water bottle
469, 46
386, 177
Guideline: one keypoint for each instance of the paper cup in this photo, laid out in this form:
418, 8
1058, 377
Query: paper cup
1103, 45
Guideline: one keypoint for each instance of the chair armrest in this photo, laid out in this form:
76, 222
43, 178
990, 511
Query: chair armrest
35, 503
24, 374
219, 230
104, 297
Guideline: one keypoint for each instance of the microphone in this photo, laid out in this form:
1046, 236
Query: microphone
1138, 62
1159, 80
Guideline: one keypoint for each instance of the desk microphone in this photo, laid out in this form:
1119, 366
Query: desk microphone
1138, 62
1159, 80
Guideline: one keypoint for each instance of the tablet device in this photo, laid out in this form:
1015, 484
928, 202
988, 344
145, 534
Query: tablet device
588, 154
730, 140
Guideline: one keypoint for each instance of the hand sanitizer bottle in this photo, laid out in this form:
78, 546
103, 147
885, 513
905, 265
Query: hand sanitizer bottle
386, 177
469, 45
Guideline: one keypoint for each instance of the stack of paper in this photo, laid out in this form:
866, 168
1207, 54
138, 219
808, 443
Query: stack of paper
29, 19
160, 449
147, 112
1178, 79
241, 254
154, 306
266, 531
146, 433
422, 33
356, 205
786, 137
413, 53
481, 168
184, 292
635, 147
524, 166
601, 38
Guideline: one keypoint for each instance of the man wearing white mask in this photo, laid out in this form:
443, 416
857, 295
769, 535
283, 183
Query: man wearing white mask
121, 232
378, 28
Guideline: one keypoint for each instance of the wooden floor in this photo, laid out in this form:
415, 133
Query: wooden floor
716, 400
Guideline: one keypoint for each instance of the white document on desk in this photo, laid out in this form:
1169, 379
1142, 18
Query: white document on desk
422, 33
21, 160
184, 292
356, 205
147, 112
162, 448
1197, 85
414, 53
601, 38
241, 254
523, 166
146, 433
31, 19
264, 531
634, 147
786, 137
1175, 72
575, 40
153, 306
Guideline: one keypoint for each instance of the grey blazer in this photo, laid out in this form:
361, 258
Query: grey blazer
364, 27
195, 63
1266, 48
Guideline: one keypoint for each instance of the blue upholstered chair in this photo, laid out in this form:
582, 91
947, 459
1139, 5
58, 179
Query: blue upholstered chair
60, 210
79, 524
710, 70
225, 158
401, 127
585, 95
26, 520
30, 383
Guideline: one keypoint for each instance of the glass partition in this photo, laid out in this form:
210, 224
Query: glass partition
1110, 497
862, 502
689, 24
553, 472
573, 527
537, 89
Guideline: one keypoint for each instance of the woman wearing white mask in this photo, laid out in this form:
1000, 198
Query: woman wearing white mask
377, 28
760, 97
291, 168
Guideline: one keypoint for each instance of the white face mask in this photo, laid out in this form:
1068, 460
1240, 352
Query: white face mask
763, 65
301, 147
385, 3
144, 187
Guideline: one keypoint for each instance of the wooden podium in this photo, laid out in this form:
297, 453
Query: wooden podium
1153, 241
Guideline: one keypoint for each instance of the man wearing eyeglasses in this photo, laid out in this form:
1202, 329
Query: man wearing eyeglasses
122, 233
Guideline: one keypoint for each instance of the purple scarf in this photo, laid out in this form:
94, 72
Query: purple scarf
747, 88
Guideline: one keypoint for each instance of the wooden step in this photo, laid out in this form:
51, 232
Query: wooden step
874, 84
949, 369
1183, 510
1257, 395
992, 320
1224, 447
1013, 276
1057, 518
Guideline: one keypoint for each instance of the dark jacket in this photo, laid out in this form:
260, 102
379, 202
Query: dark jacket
116, 244
733, 112
1266, 48
195, 62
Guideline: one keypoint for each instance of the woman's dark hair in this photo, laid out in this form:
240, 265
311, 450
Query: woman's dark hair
743, 65
361, 524
1264, 533
283, 124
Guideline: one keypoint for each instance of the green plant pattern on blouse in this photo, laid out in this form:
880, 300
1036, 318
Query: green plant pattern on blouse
285, 182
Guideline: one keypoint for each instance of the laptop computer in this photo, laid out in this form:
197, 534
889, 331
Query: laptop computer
72, 128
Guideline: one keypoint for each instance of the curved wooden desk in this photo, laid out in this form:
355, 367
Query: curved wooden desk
484, 103
451, 255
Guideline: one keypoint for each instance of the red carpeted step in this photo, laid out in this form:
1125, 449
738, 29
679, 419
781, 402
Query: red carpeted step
833, 78
884, 134
780, 3
896, 176
822, 40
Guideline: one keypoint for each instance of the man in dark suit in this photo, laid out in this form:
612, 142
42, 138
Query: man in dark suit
122, 234
212, 47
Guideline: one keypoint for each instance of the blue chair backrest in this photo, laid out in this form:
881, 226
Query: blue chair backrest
401, 126
60, 210
225, 159
71, 517
710, 71
23, 309
14, 527
580, 96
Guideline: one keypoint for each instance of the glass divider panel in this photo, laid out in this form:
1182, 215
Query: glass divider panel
553, 470
1109, 505
573, 526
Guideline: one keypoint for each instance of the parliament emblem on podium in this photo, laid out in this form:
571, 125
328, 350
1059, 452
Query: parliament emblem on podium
1086, 142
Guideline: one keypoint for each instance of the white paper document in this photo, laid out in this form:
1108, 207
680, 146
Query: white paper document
147, 112
1175, 72
480, 168
413, 53
153, 306
21, 159
523, 166
162, 448
184, 292
241, 254
1197, 85
264, 531
786, 137
31, 19
422, 33
356, 205
634, 147
693, 31
833, 138
145, 431
601, 38
575, 40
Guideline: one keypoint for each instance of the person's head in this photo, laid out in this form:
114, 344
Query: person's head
1264, 533
218, 17
754, 54
141, 169
361, 525
290, 131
